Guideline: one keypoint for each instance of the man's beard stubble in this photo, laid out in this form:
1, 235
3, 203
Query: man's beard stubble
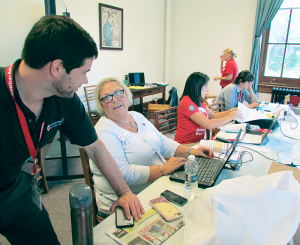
61, 89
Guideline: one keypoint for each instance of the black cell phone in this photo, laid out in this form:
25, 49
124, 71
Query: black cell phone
173, 197
121, 220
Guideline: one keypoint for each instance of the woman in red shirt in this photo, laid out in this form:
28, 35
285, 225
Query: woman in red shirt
193, 115
230, 71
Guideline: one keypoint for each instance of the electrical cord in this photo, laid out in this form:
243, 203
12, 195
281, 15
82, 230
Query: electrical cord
278, 157
260, 154
286, 117
234, 165
252, 158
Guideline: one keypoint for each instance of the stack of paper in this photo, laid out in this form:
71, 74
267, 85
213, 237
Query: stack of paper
230, 131
250, 114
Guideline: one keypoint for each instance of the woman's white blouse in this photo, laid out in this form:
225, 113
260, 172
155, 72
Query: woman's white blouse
133, 153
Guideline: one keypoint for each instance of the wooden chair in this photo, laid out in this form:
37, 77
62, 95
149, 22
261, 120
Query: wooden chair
40, 171
156, 107
215, 107
166, 120
209, 99
89, 95
89, 181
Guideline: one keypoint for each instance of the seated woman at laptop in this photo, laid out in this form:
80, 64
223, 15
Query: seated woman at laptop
193, 115
239, 91
134, 143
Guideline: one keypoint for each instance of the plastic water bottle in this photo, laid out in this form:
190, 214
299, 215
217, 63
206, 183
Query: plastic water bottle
191, 178
80, 197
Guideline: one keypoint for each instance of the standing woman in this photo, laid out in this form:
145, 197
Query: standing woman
193, 115
230, 71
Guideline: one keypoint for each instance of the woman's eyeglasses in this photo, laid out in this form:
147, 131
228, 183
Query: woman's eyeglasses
108, 98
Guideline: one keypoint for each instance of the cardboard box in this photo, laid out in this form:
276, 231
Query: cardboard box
277, 167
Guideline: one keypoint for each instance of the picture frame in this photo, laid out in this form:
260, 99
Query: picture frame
110, 27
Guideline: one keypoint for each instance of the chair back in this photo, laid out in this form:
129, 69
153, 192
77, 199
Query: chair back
89, 181
215, 107
90, 96
209, 101
165, 120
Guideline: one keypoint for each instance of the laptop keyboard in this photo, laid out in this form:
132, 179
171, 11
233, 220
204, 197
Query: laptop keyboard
207, 169
255, 132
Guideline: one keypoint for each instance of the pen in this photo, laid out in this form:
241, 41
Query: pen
235, 132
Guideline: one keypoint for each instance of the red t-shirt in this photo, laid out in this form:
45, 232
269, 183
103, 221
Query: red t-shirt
187, 130
230, 68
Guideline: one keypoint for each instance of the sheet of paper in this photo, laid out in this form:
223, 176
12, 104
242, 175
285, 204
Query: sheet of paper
250, 114
234, 127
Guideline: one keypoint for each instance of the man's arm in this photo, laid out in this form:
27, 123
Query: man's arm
252, 95
104, 161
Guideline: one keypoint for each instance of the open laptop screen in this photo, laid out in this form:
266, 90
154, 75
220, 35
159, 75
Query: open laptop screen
232, 148
137, 78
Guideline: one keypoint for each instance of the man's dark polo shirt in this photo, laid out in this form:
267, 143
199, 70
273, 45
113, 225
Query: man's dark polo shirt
66, 115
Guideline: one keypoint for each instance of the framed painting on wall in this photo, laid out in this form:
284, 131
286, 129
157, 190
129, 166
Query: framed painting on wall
111, 27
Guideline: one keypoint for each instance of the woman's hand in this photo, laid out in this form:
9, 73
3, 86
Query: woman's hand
222, 58
172, 164
131, 204
236, 114
203, 151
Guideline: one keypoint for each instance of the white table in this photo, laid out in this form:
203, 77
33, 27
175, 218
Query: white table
258, 167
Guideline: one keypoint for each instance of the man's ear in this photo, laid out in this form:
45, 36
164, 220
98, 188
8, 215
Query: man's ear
57, 69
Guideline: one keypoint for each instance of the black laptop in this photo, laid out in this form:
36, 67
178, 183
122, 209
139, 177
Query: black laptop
136, 79
210, 168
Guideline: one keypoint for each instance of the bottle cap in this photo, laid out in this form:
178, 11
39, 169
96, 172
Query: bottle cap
191, 157
80, 196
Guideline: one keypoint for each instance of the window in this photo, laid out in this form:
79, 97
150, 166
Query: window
280, 51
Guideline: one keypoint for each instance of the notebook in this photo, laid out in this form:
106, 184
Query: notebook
270, 107
136, 79
210, 168
258, 137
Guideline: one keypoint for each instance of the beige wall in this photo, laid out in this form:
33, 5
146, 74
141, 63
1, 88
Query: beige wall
199, 32
16, 20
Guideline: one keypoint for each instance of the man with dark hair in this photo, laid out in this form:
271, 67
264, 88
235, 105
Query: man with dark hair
37, 98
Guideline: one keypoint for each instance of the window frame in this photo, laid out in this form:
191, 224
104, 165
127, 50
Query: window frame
266, 83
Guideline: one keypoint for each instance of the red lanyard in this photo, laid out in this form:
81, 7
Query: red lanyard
240, 96
32, 150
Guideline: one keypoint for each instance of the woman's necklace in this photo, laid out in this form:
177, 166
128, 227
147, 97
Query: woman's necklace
130, 123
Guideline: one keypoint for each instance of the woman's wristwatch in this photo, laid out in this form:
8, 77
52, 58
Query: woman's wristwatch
188, 153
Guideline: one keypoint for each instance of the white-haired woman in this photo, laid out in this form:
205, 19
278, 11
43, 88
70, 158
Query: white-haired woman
134, 143
230, 70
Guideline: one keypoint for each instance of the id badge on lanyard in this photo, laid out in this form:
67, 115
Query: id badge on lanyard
36, 192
